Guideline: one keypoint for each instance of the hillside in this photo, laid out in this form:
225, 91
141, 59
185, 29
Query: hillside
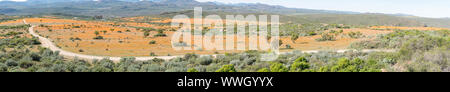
348, 19
361, 19
372, 20
136, 8
166, 8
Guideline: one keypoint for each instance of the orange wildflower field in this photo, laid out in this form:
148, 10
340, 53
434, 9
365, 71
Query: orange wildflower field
126, 39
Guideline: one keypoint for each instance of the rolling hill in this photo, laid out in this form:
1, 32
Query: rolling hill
125, 8
128, 8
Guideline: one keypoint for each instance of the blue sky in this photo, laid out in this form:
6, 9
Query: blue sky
423, 8
14, 0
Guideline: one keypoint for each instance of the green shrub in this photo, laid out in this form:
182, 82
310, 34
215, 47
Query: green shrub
299, 67
289, 47
294, 37
204, 60
301, 59
98, 38
152, 68
76, 27
15, 27
59, 68
355, 35
97, 33
300, 64
264, 70
3, 67
11, 63
326, 37
81, 68
152, 42
101, 69
25, 63
176, 69
192, 70
160, 35
355, 65
146, 33
190, 56
312, 33
278, 67
227, 68
153, 54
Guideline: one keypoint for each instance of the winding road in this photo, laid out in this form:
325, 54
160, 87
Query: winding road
47, 43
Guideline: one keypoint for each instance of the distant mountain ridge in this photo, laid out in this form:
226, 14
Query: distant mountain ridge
127, 8
140, 7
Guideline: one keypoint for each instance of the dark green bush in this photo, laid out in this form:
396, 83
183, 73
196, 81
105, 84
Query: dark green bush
152, 42
98, 38
326, 37
227, 68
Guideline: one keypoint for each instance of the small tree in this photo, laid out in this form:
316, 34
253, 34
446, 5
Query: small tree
97, 33
146, 33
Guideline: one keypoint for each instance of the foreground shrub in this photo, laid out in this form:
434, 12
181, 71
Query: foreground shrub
278, 67
192, 70
301, 64
355, 65
227, 68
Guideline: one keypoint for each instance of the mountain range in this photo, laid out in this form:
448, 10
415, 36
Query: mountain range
127, 8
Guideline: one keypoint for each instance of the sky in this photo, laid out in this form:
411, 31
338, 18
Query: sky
422, 8
14, 0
